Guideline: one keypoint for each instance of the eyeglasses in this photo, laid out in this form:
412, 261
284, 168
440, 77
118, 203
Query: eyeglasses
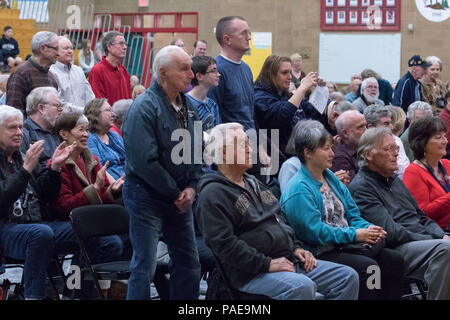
243, 33
51, 47
17, 209
392, 149
122, 44
212, 71
57, 106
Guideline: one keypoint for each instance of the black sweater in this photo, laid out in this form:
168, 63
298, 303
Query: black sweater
245, 230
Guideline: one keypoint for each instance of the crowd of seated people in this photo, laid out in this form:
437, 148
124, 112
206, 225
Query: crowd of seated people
353, 193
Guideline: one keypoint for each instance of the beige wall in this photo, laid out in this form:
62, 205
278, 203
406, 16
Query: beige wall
295, 25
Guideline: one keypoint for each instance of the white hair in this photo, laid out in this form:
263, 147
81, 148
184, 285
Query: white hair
217, 139
120, 107
42, 38
7, 112
163, 58
38, 95
433, 59
419, 105
369, 141
366, 81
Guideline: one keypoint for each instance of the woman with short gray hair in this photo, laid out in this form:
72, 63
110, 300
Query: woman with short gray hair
324, 216
433, 88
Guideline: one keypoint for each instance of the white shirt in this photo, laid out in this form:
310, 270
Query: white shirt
402, 159
73, 88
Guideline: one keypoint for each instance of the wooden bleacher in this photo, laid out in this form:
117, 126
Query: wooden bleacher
24, 29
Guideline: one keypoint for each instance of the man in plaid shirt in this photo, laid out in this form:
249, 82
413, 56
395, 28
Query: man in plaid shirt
33, 73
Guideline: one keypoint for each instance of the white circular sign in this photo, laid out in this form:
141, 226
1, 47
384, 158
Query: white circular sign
434, 10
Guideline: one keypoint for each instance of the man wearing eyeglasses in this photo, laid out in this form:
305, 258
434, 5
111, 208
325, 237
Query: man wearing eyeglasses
74, 90
35, 71
43, 107
385, 201
109, 78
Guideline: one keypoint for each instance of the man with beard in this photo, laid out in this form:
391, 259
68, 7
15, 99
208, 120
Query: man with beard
369, 94
43, 107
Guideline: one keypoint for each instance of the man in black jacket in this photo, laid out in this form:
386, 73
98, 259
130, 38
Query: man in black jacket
25, 188
384, 200
242, 223
9, 49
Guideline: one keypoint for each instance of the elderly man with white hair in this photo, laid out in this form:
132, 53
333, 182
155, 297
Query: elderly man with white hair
385, 201
74, 90
369, 94
34, 72
242, 223
161, 179
43, 107
350, 126
25, 189
416, 110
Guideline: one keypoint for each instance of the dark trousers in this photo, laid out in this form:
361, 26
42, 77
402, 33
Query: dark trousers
392, 268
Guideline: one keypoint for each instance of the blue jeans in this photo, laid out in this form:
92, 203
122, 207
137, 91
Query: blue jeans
334, 281
36, 243
149, 217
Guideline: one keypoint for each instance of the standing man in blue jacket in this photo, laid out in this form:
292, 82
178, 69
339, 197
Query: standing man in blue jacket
408, 87
161, 180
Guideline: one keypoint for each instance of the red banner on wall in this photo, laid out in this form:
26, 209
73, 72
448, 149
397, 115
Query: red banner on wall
363, 15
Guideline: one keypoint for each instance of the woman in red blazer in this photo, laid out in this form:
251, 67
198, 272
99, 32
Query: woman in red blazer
427, 177
83, 180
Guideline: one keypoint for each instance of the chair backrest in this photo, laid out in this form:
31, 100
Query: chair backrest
100, 220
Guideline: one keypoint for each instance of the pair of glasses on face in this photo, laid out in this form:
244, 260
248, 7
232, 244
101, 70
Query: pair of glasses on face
392, 149
51, 47
122, 44
57, 106
212, 71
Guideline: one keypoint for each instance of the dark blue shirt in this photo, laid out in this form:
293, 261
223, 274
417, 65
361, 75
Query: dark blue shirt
234, 95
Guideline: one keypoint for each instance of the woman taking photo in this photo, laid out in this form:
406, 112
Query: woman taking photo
433, 88
275, 107
324, 216
427, 177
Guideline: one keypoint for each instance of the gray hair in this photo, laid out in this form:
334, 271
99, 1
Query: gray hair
419, 105
38, 95
163, 58
108, 40
344, 106
120, 107
216, 140
337, 96
366, 81
345, 119
310, 134
369, 141
7, 112
433, 59
41, 38
375, 112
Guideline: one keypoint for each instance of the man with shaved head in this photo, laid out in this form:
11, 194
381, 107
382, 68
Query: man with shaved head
74, 90
350, 126
234, 95
159, 187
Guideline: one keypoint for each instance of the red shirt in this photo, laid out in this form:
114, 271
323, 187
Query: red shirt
110, 82
114, 128
430, 196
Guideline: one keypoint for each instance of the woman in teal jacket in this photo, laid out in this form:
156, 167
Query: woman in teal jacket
323, 214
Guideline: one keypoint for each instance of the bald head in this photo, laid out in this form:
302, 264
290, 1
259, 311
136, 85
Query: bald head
65, 51
350, 126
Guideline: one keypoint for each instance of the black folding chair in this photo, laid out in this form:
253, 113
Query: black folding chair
98, 221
